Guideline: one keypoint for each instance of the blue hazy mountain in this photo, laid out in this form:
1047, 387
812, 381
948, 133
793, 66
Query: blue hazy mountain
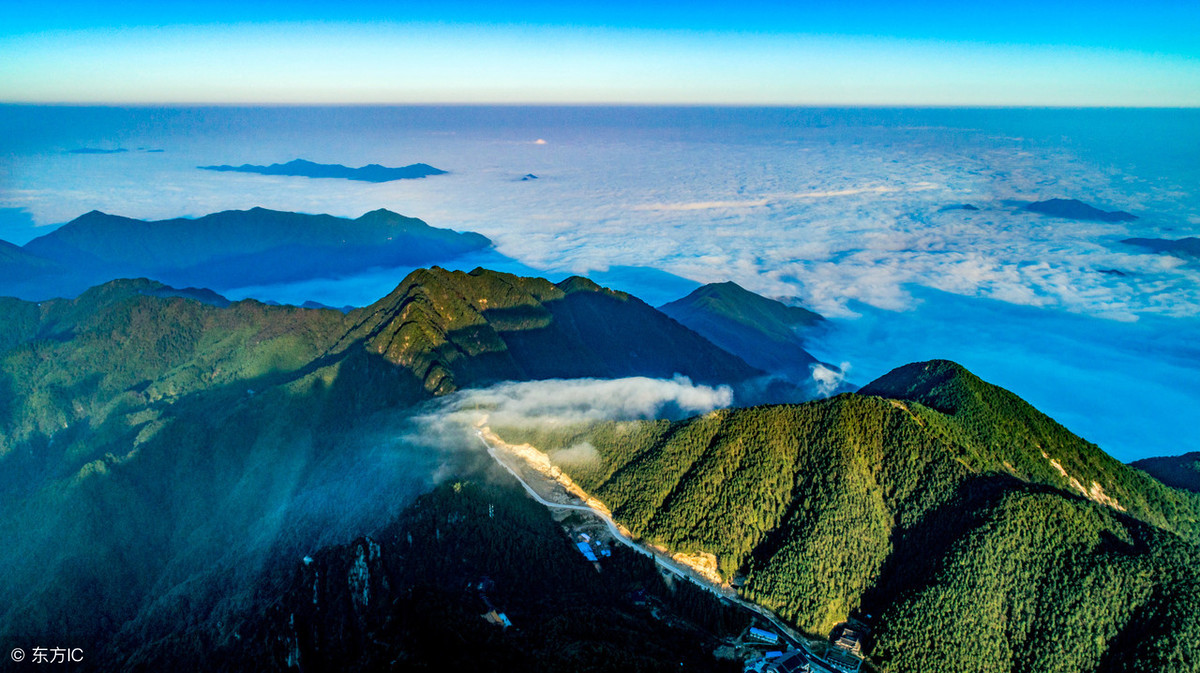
1078, 210
17, 265
766, 333
1174, 471
1184, 247
96, 150
230, 249
308, 169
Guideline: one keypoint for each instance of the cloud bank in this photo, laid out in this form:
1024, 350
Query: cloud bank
571, 401
845, 211
829, 209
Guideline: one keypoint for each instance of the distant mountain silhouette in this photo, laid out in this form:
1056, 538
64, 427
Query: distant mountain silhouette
1174, 471
1184, 247
17, 264
308, 169
225, 250
765, 333
1078, 210
96, 150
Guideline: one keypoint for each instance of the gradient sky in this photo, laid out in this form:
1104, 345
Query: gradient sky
918, 53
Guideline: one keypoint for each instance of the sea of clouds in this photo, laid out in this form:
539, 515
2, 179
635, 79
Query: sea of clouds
846, 212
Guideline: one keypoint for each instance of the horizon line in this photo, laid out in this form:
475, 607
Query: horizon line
591, 104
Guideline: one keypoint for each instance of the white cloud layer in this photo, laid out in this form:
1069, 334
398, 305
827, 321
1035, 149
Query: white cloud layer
446, 426
829, 213
845, 211
559, 401
829, 379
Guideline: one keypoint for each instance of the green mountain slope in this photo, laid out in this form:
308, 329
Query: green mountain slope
454, 327
1175, 471
181, 445
410, 595
893, 508
765, 333
231, 249
18, 265
999, 431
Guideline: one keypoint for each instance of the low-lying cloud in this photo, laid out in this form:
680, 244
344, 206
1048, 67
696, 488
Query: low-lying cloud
829, 380
446, 427
571, 401
581, 453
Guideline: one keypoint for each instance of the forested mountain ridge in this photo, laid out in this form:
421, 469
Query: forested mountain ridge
140, 342
764, 332
1001, 432
865, 504
164, 435
452, 327
1174, 471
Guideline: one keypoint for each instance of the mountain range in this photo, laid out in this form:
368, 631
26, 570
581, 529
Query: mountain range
215, 467
1077, 210
223, 250
184, 448
979, 533
309, 169
766, 333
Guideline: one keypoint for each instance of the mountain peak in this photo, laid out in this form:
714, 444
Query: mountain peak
455, 329
578, 284
379, 213
764, 332
742, 305
1074, 209
92, 217
938, 384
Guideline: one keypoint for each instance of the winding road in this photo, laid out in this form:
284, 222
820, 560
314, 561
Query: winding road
664, 561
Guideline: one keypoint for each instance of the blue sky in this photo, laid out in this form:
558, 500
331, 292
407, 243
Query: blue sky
928, 53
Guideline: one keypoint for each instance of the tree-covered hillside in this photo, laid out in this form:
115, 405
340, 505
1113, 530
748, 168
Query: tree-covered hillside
411, 596
764, 332
940, 521
1175, 471
178, 445
453, 329
1000, 431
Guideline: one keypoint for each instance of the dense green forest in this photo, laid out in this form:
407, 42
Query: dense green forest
167, 457
409, 597
936, 509
1175, 471
173, 442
